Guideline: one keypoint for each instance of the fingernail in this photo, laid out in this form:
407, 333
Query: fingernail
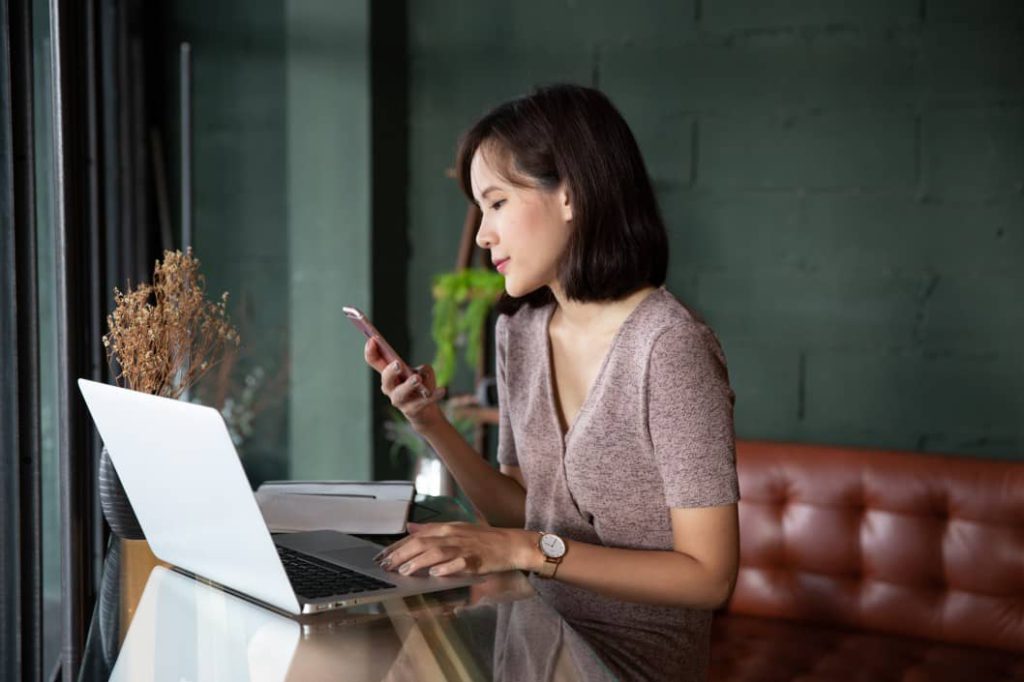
415, 378
380, 555
394, 365
435, 571
386, 564
406, 567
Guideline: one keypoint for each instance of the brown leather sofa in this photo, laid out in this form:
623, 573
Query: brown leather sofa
867, 565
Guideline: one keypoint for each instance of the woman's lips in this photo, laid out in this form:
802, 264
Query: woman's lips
501, 265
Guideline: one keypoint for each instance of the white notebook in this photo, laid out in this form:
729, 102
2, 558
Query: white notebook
370, 508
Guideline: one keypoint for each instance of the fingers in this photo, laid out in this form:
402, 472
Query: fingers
447, 549
413, 528
410, 390
371, 353
441, 560
396, 384
459, 565
392, 373
390, 378
418, 554
431, 556
424, 535
429, 382
426, 372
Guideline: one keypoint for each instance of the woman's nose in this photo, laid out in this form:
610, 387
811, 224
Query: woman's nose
484, 235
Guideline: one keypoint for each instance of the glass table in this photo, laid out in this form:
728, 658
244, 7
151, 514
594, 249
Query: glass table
154, 623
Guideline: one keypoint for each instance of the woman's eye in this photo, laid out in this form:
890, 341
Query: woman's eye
497, 204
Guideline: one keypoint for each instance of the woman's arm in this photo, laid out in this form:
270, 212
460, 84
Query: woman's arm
698, 572
499, 498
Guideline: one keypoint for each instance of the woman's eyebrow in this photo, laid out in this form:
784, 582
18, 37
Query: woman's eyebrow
483, 195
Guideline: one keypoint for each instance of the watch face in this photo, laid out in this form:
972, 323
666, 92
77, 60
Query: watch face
552, 546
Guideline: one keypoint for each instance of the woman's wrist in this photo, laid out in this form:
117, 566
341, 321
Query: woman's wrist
430, 421
525, 548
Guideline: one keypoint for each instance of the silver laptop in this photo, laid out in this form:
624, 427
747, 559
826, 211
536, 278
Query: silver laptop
188, 489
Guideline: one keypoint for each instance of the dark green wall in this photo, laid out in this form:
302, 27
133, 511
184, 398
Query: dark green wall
843, 183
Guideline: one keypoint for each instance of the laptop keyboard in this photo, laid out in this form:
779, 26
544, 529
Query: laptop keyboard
313, 579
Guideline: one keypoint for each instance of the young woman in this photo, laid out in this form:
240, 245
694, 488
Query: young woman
617, 487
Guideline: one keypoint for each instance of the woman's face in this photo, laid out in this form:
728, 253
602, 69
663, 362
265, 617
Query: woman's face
526, 229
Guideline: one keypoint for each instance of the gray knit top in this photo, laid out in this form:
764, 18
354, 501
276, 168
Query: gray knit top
654, 432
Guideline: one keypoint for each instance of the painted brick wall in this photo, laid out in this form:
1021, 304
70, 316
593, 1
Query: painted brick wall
843, 183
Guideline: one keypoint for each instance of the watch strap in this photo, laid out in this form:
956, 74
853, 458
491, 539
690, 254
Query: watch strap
549, 567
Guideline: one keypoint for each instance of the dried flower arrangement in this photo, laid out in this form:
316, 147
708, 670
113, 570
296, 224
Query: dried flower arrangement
163, 337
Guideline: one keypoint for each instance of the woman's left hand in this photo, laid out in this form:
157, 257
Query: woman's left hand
459, 549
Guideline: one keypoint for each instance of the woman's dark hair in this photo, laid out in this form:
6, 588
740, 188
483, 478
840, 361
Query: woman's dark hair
575, 134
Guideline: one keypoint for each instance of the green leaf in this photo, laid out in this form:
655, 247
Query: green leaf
462, 303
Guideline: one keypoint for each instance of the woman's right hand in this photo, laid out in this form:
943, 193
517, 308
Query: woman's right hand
416, 396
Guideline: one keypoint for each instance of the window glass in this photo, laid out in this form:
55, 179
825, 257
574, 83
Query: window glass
45, 214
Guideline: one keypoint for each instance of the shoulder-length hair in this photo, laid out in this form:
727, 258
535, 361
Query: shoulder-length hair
575, 134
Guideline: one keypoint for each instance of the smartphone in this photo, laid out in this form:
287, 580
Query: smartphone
363, 324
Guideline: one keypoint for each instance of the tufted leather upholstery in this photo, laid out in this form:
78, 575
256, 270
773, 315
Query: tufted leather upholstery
750, 649
906, 544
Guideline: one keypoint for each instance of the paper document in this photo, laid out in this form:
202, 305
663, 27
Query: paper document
372, 508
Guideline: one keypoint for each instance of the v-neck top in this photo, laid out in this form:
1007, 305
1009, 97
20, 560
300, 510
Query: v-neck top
655, 432
549, 364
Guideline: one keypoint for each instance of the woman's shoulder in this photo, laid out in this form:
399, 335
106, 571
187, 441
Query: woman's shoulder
668, 324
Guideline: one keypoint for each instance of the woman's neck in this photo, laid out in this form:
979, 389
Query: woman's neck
594, 318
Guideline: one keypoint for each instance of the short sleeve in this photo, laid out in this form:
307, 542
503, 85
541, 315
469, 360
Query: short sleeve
690, 418
506, 441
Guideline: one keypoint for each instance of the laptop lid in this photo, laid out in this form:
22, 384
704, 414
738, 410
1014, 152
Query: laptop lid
186, 484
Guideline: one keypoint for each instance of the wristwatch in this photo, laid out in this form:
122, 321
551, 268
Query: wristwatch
553, 548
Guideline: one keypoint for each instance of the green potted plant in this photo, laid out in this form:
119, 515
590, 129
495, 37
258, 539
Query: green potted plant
462, 301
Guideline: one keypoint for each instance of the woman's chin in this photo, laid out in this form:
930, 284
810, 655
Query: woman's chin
513, 289
518, 289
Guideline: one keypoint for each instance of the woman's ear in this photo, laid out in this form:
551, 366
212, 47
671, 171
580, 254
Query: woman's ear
565, 203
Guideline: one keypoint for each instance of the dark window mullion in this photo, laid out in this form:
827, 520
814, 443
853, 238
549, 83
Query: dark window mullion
21, 648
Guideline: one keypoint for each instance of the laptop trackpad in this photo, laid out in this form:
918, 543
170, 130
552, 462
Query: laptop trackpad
358, 557
321, 541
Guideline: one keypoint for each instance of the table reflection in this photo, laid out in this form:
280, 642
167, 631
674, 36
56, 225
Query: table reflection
184, 629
